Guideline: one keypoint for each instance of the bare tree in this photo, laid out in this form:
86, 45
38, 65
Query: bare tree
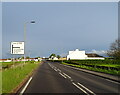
114, 49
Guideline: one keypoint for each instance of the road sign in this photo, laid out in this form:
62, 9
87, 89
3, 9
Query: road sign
17, 47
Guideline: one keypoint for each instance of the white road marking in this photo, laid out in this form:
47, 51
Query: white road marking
59, 70
62, 75
70, 67
51, 66
112, 81
86, 89
23, 90
80, 88
85, 71
55, 70
71, 80
67, 75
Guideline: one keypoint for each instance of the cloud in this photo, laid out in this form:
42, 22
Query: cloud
100, 52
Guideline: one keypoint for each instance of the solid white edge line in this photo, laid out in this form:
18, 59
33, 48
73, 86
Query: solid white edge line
80, 88
23, 90
112, 81
85, 71
71, 67
86, 88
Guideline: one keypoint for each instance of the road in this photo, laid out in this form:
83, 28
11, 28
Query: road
52, 77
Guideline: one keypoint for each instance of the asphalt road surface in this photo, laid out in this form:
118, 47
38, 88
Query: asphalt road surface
52, 77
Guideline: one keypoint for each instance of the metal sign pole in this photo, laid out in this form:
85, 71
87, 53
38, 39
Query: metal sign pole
17, 48
24, 40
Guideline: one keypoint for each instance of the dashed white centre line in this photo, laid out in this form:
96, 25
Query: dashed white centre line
67, 75
55, 70
86, 89
80, 88
59, 70
62, 75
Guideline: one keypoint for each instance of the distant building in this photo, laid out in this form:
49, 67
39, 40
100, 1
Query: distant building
93, 55
77, 55
53, 58
5, 60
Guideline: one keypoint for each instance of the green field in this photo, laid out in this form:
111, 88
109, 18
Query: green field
12, 77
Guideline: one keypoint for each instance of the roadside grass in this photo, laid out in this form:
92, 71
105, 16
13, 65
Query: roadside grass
0, 83
110, 65
12, 77
108, 71
8, 64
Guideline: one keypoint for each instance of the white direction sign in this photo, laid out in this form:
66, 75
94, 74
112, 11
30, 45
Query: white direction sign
17, 47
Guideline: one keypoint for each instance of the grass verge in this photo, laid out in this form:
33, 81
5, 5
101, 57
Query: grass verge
113, 72
12, 77
9, 64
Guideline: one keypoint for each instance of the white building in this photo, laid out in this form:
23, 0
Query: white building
53, 58
76, 55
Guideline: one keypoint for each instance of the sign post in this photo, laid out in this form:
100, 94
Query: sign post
17, 47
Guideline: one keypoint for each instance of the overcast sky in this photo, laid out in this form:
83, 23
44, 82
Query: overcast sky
0, 30
60, 27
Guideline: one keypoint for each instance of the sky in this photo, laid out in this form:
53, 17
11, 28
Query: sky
60, 27
0, 30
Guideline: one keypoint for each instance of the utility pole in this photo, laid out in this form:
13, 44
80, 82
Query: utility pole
25, 26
